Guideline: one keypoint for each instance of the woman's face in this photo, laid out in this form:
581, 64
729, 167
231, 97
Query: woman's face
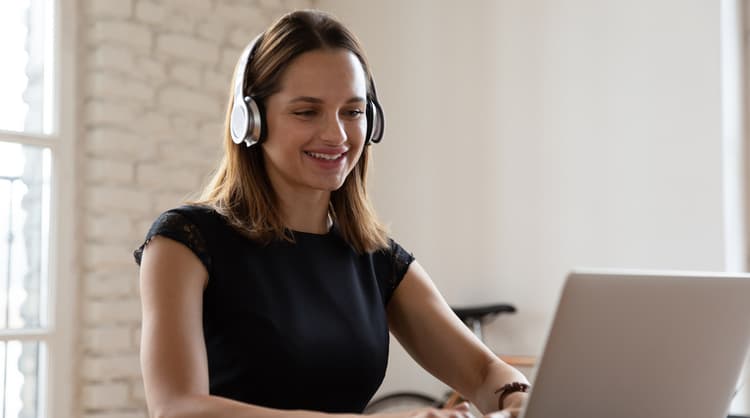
316, 122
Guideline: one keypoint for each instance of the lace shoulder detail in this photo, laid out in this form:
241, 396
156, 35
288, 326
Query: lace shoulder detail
176, 226
393, 263
401, 261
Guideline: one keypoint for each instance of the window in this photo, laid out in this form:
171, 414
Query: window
33, 151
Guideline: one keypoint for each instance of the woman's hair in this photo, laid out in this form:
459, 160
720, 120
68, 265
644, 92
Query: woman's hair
240, 189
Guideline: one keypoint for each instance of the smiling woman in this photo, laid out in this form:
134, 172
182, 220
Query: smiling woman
274, 294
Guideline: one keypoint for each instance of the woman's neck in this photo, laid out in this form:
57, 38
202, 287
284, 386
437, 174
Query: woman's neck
306, 212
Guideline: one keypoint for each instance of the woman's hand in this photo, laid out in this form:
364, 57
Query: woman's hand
512, 406
459, 411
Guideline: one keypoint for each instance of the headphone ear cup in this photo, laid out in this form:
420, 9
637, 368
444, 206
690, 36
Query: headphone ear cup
238, 121
369, 117
262, 130
376, 122
247, 121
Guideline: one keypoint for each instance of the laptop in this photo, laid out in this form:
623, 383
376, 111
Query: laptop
644, 344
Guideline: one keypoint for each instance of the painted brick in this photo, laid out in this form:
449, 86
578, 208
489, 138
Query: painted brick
241, 36
296, 4
108, 199
201, 158
107, 112
166, 201
218, 82
187, 47
184, 128
196, 9
108, 340
137, 337
213, 30
111, 367
101, 254
118, 58
154, 123
120, 311
113, 87
182, 99
111, 285
137, 391
161, 177
189, 75
106, 142
109, 172
150, 12
270, 4
131, 34
150, 69
102, 227
143, 225
102, 396
228, 61
109, 8
242, 13
212, 133
178, 23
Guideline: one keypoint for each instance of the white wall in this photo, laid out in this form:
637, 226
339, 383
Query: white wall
526, 137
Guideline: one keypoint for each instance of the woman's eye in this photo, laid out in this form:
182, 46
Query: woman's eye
304, 113
354, 113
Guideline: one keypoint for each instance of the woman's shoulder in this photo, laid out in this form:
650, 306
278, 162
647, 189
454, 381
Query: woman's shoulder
189, 224
393, 250
195, 211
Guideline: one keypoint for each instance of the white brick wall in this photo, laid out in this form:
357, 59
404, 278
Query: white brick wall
155, 77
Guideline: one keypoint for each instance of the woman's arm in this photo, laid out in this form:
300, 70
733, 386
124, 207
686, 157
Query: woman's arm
433, 335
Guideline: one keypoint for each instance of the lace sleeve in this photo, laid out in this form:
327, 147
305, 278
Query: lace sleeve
178, 227
401, 261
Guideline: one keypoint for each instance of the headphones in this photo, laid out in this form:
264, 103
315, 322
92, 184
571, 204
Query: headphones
247, 124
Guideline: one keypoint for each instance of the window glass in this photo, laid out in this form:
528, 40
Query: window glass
26, 72
24, 213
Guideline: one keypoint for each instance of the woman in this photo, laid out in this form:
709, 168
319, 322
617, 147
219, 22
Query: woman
273, 295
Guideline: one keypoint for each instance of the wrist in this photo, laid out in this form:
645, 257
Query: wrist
515, 400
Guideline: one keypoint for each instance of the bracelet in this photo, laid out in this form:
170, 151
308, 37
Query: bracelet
509, 388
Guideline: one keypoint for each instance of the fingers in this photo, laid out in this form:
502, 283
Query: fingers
499, 414
505, 413
461, 410
463, 406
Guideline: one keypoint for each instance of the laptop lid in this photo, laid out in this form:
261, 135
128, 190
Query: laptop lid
644, 344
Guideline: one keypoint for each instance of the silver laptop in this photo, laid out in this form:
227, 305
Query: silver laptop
644, 344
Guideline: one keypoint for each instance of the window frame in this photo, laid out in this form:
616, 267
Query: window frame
64, 220
58, 390
735, 91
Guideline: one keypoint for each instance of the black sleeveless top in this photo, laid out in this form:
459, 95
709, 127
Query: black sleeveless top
289, 325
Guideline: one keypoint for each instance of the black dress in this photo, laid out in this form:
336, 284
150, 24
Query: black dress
290, 325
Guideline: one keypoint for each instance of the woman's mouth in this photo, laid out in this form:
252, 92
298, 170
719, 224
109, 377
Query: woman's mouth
325, 157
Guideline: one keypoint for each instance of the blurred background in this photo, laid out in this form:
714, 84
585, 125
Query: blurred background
524, 138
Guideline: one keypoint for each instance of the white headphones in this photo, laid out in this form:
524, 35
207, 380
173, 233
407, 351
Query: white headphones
246, 122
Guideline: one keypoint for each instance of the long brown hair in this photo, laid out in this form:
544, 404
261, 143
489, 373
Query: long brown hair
240, 189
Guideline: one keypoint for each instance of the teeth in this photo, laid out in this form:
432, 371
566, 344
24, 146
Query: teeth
328, 157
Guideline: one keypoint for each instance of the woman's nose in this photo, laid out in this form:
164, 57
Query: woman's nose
333, 131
